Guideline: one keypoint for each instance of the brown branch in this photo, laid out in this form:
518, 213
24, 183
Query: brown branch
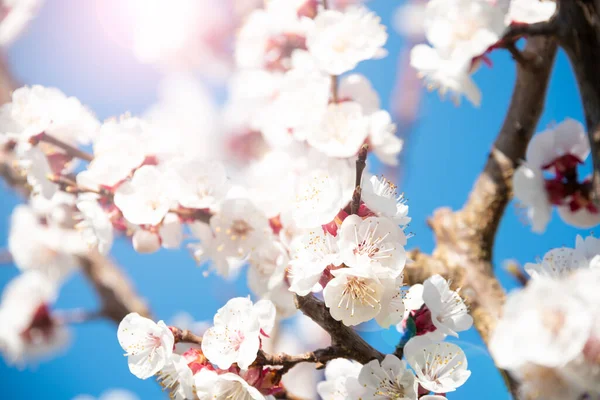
319, 357
117, 295
518, 30
69, 150
579, 36
348, 342
361, 163
465, 238
185, 336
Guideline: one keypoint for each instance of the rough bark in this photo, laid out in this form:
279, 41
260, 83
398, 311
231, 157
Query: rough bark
465, 238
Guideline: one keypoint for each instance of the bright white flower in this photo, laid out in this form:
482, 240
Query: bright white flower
211, 250
343, 131
589, 248
358, 88
471, 26
239, 227
148, 345
449, 73
95, 225
171, 231
235, 336
145, 242
449, 313
267, 277
530, 11
382, 138
582, 218
37, 168
311, 254
268, 35
459, 31
393, 309
300, 103
16, 15
337, 373
28, 331
375, 242
340, 40
381, 196
354, 295
177, 378
557, 263
210, 385
118, 149
37, 246
390, 379
432, 397
203, 183
543, 324
440, 367
529, 189
38, 109
319, 198
145, 199
567, 138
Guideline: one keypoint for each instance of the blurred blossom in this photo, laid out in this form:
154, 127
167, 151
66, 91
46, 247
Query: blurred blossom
14, 16
113, 394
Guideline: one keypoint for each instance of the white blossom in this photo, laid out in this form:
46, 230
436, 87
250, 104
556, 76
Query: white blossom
529, 189
542, 324
530, 11
375, 242
239, 227
337, 373
148, 345
145, 199
557, 263
382, 138
210, 385
390, 379
318, 200
381, 196
212, 250
440, 367
145, 242
235, 336
43, 247
39, 109
95, 224
590, 249
28, 331
343, 131
113, 394
340, 40
354, 295
119, 148
449, 313
567, 138
311, 254
177, 377
203, 183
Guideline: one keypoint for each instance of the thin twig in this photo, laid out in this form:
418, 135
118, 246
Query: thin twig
185, 336
287, 362
361, 163
70, 150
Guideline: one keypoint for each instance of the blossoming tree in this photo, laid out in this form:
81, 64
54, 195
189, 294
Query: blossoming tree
329, 239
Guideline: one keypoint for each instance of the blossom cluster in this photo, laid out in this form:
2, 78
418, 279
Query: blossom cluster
548, 336
461, 33
227, 361
221, 368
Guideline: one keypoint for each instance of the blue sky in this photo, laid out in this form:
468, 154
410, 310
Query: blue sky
74, 45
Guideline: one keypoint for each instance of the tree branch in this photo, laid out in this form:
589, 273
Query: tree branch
117, 295
517, 30
465, 238
349, 343
579, 36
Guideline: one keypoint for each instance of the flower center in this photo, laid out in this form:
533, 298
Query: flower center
358, 291
239, 229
